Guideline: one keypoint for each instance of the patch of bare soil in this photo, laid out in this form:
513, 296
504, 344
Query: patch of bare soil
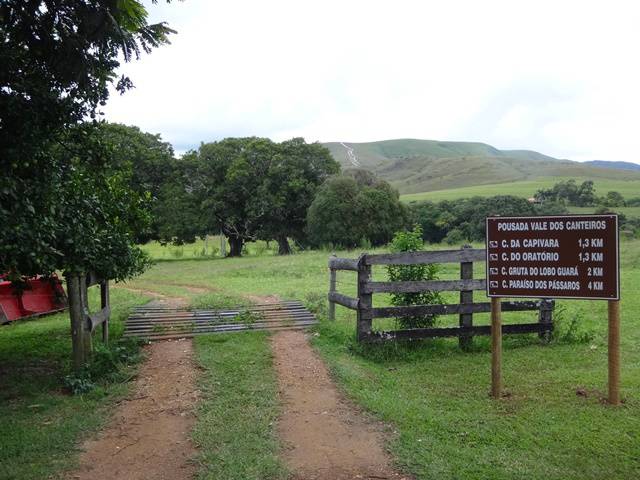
160, 300
263, 299
324, 436
189, 287
149, 435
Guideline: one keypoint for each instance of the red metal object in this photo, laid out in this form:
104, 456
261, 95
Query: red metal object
37, 296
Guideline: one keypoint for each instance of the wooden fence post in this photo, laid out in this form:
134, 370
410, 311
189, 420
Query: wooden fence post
545, 317
466, 297
365, 300
80, 331
332, 289
104, 303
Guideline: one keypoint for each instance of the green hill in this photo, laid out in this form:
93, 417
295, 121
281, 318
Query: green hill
618, 165
415, 166
524, 188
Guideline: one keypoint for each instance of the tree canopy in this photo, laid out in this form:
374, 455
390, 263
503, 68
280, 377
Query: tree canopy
569, 192
354, 208
63, 205
288, 189
149, 162
463, 220
247, 188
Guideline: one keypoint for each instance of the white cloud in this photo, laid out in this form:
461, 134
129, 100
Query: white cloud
558, 77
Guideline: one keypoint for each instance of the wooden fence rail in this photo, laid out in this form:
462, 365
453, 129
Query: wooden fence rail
466, 285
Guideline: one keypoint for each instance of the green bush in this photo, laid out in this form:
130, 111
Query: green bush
353, 208
455, 237
570, 331
317, 303
109, 364
411, 241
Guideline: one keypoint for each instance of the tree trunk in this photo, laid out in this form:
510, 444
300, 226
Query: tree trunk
80, 333
235, 246
223, 244
283, 245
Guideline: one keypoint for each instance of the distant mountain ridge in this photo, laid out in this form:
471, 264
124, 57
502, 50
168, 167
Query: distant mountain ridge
613, 164
414, 166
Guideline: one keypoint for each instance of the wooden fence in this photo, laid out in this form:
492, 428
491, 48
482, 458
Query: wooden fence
83, 322
466, 285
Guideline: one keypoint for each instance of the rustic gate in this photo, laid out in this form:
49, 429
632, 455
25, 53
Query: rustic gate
466, 285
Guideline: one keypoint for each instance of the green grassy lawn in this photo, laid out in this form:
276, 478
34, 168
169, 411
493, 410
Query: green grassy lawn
40, 422
552, 425
526, 188
203, 250
238, 409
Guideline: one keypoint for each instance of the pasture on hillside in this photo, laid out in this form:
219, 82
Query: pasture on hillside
526, 189
414, 166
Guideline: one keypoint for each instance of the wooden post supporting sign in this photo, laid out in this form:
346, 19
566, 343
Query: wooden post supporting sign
614, 352
570, 257
496, 347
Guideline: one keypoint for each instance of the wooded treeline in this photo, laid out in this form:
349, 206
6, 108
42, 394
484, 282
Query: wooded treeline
584, 195
247, 188
255, 189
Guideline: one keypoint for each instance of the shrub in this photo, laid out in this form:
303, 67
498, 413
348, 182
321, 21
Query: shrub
457, 221
352, 207
109, 364
317, 304
569, 331
411, 241
455, 237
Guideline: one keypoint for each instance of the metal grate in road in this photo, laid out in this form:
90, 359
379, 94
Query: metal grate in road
157, 322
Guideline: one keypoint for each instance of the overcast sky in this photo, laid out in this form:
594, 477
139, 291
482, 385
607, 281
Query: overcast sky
559, 77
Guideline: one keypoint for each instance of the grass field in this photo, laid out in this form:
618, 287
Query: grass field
40, 422
204, 249
552, 425
628, 211
527, 188
238, 409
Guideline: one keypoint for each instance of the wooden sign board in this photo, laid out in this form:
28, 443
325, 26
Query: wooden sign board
573, 256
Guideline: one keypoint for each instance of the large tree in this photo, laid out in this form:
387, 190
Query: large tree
151, 163
247, 188
229, 177
58, 194
64, 203
353, 208
294, 174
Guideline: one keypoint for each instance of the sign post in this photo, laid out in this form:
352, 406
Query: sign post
496, 348
572, 257
614, 352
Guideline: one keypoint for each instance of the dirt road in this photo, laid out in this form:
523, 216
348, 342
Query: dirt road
324, 437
